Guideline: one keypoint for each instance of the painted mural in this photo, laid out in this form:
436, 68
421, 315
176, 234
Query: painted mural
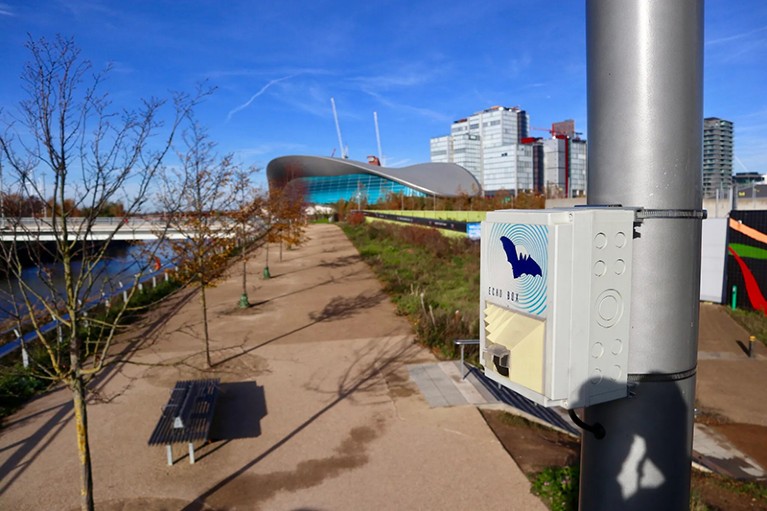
747, 261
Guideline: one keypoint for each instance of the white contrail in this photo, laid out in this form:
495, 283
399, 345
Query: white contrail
263, 89
740, 162
735, 37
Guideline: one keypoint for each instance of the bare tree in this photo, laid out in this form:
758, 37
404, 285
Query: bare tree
252, 220
67, 148
196, 196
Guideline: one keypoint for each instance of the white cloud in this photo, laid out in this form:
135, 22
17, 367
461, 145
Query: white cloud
423, 112
81, 8
249, 71
247, 153
735, 37
6, 10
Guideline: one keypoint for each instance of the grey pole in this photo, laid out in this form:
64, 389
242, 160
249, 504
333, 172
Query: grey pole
645, 125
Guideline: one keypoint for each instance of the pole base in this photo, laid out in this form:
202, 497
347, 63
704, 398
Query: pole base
266, 272
244, 302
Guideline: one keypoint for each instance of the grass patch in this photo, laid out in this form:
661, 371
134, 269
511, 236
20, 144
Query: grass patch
755, 322
558, 487
511, 419
754, 490
432, 279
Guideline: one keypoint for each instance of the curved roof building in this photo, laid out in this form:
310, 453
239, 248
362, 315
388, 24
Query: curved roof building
327, 180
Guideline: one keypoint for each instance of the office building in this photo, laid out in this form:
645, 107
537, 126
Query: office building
564, 166
495, 146
488, 144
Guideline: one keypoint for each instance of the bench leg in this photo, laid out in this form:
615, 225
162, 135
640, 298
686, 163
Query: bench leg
169, 453
191, 453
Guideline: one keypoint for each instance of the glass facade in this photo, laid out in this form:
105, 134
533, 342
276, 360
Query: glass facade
352, 187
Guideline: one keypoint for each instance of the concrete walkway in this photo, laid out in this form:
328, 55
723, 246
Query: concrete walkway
731, 384
317, 410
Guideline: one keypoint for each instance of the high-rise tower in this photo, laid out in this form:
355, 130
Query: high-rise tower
717, 156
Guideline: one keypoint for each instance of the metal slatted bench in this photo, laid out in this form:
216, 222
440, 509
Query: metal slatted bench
187, 417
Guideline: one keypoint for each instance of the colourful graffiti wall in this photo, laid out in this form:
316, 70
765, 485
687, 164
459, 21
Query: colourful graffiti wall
747, 259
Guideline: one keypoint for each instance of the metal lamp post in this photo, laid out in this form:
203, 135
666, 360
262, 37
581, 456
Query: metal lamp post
645, 119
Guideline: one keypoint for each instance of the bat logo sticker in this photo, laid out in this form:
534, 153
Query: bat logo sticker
521, 264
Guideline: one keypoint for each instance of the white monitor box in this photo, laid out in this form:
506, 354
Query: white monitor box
555, 294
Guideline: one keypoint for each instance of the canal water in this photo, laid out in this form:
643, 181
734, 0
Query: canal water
123, 260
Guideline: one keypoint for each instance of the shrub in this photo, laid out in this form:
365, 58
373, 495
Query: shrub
355, 218
558, 487
17, 386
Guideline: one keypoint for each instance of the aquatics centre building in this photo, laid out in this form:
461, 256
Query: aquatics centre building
328, 180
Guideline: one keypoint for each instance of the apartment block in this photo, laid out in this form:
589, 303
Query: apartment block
717, 156
495, 146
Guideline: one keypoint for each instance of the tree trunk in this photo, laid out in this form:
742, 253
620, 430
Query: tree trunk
83, 448
204, 304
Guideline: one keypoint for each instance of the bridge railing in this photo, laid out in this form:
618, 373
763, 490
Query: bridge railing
99, 229
120, 291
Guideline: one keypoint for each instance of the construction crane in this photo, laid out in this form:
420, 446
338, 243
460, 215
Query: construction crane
344, 151
378, 140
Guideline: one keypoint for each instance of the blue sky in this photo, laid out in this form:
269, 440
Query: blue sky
419, 64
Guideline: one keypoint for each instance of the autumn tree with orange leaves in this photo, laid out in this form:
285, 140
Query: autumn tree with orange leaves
252, 222
196, 197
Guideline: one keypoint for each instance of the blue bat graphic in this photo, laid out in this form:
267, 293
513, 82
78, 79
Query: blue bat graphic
520, 265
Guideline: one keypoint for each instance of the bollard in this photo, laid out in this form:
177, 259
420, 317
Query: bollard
734, 297
166, 276
751, 341
154, 281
